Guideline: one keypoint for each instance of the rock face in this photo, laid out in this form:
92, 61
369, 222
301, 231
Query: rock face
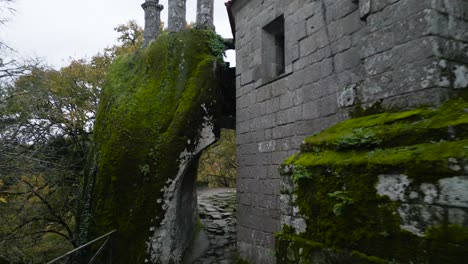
157, 112
382, 188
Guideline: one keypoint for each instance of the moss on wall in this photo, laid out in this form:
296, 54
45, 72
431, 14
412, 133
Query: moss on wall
151, 109
336, 174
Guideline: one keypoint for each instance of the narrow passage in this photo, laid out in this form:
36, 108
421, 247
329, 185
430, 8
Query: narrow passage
217, 210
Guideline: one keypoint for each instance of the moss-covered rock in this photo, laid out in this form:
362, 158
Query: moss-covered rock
153, 108
337, 175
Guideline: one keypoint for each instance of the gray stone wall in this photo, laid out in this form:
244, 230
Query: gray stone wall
177, 12
339, 54
425, 205
152, 10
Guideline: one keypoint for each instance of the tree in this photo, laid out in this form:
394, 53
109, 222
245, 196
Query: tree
217, 164
45, 132
130, 38
5, 9
46, 126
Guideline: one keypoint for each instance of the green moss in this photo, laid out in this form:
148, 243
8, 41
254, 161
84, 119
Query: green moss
360, 111
395, 129
450, 234
363, 258
152, 105
336, 173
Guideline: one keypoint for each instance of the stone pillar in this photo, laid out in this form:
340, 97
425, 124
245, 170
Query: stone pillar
152, 20
205, 9
176, 21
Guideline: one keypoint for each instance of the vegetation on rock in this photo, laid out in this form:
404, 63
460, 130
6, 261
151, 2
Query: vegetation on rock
152, 108
336, 174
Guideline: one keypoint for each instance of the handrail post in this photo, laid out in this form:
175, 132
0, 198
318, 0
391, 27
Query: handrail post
109, 253
68, 255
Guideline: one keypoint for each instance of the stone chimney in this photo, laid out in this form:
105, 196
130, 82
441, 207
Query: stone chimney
176, 21
205, 14
152, 20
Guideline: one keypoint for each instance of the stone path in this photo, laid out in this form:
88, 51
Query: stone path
217, 209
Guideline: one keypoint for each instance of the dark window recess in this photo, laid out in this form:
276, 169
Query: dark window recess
273, 48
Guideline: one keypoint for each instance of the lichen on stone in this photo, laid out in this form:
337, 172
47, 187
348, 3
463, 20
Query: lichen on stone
377, 189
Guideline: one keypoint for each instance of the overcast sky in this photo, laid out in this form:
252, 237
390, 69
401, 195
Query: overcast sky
56, 30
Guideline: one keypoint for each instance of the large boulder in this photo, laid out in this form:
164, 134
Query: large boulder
157, 112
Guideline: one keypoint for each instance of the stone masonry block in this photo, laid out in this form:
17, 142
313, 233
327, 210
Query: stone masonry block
247, 149
279, 86
292, 53
273, 172
378, 5
312, 58
283, 131
244, 138
451, 49
272, 105
287, 100
266, 121
244, 89
258, 109
377, 42
244, 101
242, 115
244, 234
339, 9
347, 59
455, 8
310, 110
243, 127
411, 28
315, 23
345, 26
289, 115
247, 77
341, 45
364, 8
263, 239
395, 12
313, 42
295, 81
297, 32
453, 191
328, 105
267, 146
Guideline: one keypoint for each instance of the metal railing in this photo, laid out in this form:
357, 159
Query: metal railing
66, 257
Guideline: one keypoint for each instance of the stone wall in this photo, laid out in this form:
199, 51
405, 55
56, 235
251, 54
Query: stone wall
339, 55
385, 188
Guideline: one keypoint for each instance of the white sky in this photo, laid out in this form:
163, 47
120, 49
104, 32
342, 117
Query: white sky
57, 30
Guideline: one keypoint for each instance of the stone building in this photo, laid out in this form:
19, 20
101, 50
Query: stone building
304, 65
